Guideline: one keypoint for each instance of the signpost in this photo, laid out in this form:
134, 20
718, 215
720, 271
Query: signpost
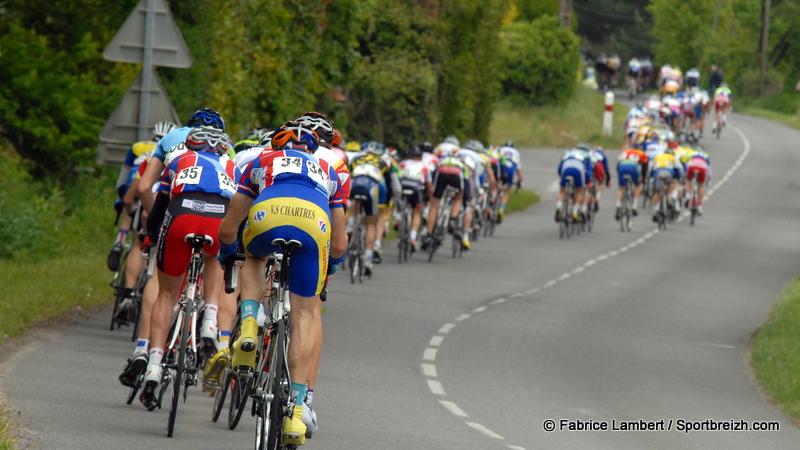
151, 38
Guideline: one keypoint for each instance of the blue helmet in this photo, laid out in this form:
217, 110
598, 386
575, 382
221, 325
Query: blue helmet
206, 117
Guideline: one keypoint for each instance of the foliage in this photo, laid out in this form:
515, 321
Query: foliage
614, 26
539, 61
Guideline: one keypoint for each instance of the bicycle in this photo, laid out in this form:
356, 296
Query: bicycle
693, 200
147, 273
404, 229
491, 211
590, 211
271, 391
357, 245
181, 362
118, 283
566, 223
458, 225
664, 213
442, 220
647, 192
626, 209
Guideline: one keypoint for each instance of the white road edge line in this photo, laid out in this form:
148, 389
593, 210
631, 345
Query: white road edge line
453, 408
486, 432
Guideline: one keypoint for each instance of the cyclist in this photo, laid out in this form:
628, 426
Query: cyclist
388, 195
633, 162
450, 171
250, 140
700, 164
665, 169
214, 330
575, 163
722, 102
288, 194
632, 77
193, 195
338, 145
470, 154
600, 173
134, 157
368, 171
513, 174
416, 177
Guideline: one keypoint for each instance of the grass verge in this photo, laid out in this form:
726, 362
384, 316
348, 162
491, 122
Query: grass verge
784, 108
775, 353
558, 126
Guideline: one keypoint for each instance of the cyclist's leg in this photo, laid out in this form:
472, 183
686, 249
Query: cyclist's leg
138, 362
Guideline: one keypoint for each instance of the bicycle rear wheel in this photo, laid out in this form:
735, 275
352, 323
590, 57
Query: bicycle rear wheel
178, 382
220, 395
240, 388
280, 390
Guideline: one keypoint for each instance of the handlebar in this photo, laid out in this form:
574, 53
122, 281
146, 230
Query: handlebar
232, 266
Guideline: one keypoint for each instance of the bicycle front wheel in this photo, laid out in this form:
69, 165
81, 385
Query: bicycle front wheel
220, 395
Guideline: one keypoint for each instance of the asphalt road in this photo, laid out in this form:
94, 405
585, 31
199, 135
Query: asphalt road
606, 329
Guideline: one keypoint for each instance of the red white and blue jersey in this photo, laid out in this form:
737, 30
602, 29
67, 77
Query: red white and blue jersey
292, 167
202, 172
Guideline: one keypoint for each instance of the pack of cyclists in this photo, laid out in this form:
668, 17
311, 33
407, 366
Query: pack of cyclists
301, 181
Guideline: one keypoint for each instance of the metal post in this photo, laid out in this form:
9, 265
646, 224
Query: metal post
147, 70
608, 115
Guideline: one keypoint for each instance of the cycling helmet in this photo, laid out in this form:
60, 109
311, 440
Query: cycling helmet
414, 152
162, 128
583, 146
669, 151
208, 139
452, 140
426, 147
473, 144
374, 147
206, 117
337, 138
509, 144
255, 134
295, 136
266, 140
391, 152
319, 124
352, 146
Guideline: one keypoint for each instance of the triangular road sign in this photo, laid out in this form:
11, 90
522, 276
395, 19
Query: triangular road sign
169, 48
122, 128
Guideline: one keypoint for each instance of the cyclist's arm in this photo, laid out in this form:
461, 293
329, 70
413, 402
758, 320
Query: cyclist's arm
151, 174
338, 232
156, 216
237, 212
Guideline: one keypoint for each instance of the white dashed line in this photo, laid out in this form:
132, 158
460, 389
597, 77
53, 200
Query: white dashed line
436, 387
430, 354
453, 408
430, 371
486, 432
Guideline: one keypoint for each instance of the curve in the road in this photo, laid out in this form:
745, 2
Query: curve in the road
428, 367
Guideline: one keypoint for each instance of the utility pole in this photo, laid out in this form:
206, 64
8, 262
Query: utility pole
716, 16
765, 11
565, 13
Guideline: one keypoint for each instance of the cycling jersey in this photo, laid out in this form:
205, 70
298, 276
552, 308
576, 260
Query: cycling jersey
666, 163
631, 162
414, 175
600, 165
294, 193
512, 163
199, 186
576, 164
700, 165
450, 171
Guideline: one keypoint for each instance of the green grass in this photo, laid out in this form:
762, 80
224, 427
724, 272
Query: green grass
558, 126
784, 108
775, 353
521, 200
6, 424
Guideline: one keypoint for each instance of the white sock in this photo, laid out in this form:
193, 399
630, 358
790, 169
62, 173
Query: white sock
211, 313
413, 235
156, 354
141, 346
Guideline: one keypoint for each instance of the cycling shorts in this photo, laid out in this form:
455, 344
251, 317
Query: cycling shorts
369, 188
628, 169
290, 213
412, 192
600, 173
721, 102
575, 173
192, 212
700, 171
511, 174
500, 173
663, 178
443, 180
465, 199
383, 194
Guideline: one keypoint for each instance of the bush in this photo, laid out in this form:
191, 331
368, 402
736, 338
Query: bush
538, 61
750, 81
